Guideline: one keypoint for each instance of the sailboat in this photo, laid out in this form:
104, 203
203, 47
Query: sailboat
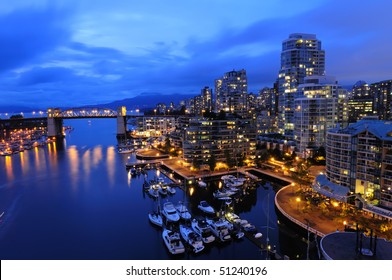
155, 217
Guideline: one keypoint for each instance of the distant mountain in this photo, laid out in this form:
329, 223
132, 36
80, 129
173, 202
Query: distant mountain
146, 101
14, 109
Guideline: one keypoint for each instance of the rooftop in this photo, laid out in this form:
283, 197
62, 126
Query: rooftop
343, 246
382, 129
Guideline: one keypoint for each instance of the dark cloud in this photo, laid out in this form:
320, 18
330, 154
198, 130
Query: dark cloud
355, 37
39, 75
28, 33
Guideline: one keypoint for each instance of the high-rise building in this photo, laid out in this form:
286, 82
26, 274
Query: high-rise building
361, 102
206, 94
360, 157
231, 92
230, 141
382, 97
316, 111
301, 56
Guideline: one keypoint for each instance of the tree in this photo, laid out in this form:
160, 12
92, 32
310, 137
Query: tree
212, 162
18, 116
229, 159
301, 173
167, 146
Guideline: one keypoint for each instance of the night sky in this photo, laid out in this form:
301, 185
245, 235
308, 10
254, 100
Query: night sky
76, 52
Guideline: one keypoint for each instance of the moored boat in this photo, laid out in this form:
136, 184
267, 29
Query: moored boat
173, 242
202, 184
183, 211
219, 229
155, 218
204, 230
170, 212
192, 238
205, 207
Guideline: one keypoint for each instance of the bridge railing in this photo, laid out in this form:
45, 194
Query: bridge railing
86, 113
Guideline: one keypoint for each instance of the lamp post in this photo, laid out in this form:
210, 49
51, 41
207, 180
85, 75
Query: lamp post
298, 201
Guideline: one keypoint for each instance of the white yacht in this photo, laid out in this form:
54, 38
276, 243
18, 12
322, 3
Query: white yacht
173, 242
192, 238
223, 193
155, 218
219, 229
183, 211
205, 207
170, 212
203, 229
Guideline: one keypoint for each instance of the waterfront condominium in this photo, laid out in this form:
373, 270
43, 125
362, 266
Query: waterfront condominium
316, 110
359, 157
231, 92
228, 142
301, 56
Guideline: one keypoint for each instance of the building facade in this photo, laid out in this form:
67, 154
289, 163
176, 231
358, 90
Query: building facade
231, 92
316, 111
155, 126
360, 103
382, 97
230, 141
360, 157
301, 56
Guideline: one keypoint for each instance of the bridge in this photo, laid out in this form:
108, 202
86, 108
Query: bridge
55, 117
79, 113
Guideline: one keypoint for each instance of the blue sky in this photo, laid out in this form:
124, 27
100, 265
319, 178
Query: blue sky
76, 52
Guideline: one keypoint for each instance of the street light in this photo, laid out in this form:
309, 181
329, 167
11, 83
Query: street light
298, 201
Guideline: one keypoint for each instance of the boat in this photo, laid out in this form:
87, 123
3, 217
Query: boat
258, 235
232, 217
192, 238
202, 184
170, 212
153, 192
232, 181
171, 190
219, 229
249, 228
162, 189
125, 150
160, 179
204, 230
205, 207
173, 242
223, 193
155, 218
183, 211
132, 171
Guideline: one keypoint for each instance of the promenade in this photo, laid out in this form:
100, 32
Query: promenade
321, 217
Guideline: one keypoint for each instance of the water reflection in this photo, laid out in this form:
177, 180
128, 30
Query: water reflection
86, 163
8, 168
97, 155
73, 154
23, 165
110, 164
52, 151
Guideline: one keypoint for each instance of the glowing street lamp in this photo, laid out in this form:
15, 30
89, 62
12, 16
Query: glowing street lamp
298, 201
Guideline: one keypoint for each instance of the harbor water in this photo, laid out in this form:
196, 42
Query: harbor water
75, 200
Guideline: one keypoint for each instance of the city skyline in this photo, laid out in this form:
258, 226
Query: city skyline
59, 53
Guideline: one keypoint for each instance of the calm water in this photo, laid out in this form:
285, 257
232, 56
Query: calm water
75, 200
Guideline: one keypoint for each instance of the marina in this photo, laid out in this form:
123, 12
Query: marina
98, 210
